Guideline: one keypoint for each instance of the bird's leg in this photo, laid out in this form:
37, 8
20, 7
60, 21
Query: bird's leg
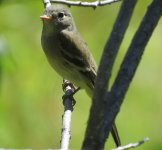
71, 92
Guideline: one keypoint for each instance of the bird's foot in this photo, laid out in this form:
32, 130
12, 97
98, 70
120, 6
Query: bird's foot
69, 90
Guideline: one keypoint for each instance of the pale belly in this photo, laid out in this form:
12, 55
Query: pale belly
62, 67
68, 72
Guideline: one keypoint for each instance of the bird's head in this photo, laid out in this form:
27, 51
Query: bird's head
57, 18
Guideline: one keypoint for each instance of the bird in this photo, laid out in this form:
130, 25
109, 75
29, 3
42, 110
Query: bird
68, 53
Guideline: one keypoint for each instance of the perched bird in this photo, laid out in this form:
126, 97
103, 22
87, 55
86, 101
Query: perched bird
67, 52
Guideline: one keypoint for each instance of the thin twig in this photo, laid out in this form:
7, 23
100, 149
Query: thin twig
132, 145
46, 3
85, 4
66, 118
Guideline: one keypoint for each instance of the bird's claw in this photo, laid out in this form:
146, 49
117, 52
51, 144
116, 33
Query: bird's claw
67, 83
69, 93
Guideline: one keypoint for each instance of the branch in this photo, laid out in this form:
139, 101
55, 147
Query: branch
132, 145
66, 119
85, 4
130, 63
46, 3
95, 122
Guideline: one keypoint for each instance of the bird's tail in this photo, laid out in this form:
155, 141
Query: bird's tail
115, 135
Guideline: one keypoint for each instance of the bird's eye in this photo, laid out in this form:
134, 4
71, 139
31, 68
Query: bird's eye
61, 15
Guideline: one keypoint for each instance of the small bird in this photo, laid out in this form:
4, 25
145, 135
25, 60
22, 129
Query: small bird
67, 52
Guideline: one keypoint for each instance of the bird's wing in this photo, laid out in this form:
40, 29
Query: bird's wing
76, 52
74, 47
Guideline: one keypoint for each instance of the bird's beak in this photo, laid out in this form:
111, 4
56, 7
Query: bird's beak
45, 17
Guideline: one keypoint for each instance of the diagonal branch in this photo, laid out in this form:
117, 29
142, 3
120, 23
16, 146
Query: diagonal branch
95, 122
85, 4
132, 145
130, 64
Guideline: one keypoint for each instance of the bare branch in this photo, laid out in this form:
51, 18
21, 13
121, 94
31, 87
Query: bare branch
132, 145
85, 4
130, 63
66, 118
46, 3
95, 139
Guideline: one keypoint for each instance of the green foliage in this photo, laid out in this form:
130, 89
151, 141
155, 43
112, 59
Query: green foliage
30, 91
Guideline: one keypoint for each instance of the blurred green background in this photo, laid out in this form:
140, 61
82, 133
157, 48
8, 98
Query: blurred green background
30, 91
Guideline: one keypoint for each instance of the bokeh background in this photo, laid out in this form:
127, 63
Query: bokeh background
30, 91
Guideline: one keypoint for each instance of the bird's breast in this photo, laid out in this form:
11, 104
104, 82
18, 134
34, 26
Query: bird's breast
53, 51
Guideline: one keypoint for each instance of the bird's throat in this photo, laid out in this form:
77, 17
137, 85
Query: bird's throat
48, 30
